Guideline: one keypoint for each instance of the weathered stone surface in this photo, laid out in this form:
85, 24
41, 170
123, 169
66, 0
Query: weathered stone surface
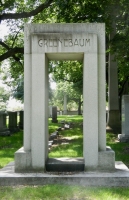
118, 178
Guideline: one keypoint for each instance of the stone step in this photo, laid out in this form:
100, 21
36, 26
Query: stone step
118, 178
65, 164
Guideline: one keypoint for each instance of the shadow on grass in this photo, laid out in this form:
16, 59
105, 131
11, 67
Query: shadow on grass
69, 148
76, 120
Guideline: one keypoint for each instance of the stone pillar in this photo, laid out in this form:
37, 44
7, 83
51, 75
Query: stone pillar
90, 108
13, 122
54, 114
3, 129
27, 92
21, 115
39, 130
65, 104
124, 137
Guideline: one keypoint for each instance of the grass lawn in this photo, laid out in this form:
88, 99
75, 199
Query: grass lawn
73, 147
62, 192
8, 146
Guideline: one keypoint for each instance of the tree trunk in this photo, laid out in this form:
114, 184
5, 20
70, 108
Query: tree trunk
113, 121
79, 107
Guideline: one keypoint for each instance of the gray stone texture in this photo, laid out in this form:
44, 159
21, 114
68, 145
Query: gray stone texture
118, 178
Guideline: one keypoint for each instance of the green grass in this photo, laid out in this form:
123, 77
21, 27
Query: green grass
62, 192
74, 137
8, 146
67, 118
73, 147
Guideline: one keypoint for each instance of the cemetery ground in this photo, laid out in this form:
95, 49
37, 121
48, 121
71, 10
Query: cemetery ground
69, 143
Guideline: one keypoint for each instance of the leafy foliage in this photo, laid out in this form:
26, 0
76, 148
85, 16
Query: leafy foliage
16, 13
4, 96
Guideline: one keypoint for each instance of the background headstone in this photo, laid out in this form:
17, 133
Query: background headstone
13, 122
124, 137
54, 114
3, 129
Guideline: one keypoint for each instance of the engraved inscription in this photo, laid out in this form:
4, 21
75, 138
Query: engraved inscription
63, 42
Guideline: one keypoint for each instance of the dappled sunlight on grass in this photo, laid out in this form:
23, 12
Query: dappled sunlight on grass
63, 192
73, 137
72, 132
67, 118
74, 148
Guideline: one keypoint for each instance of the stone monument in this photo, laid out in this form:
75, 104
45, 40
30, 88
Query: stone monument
45, 42
124, 137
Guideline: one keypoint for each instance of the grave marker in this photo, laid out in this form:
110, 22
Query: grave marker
44, 42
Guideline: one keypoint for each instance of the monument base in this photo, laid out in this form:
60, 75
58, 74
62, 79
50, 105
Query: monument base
23, 162
118, 178
123, 138
106, 159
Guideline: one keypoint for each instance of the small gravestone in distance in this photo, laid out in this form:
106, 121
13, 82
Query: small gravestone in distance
124, 137
54, 114
4, 131
13, 122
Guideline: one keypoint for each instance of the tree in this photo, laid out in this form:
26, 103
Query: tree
4, 96
71, 72
17, 13
66, 88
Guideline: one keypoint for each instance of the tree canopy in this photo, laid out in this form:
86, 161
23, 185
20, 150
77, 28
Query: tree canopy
15, 13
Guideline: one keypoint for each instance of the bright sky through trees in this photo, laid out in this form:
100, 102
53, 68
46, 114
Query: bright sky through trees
3, 30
